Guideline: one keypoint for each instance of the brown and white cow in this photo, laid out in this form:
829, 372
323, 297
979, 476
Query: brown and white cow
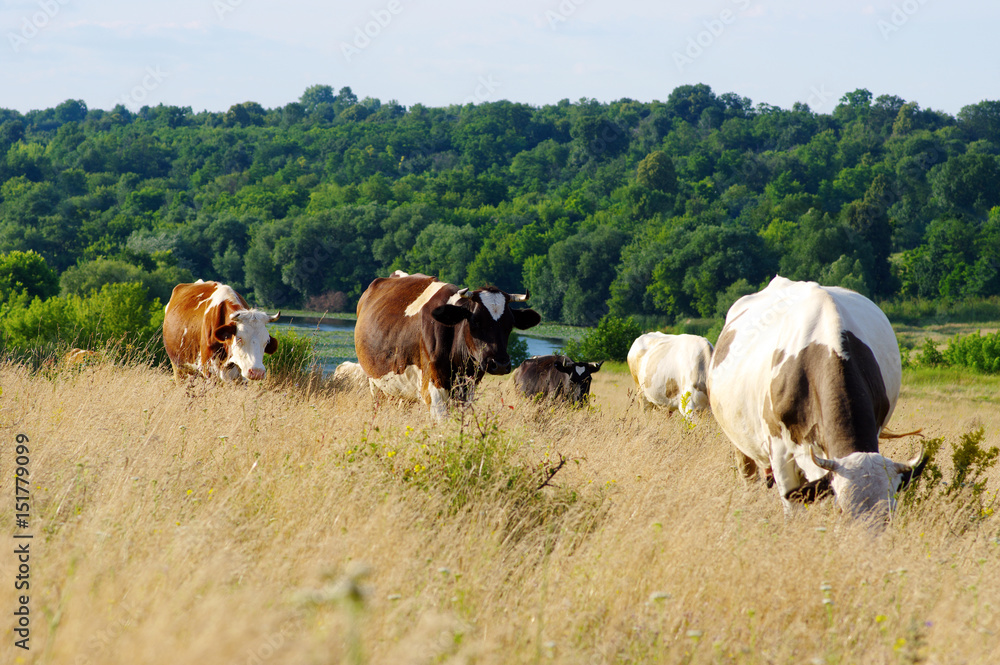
555, 376
804, 378
418, 338
671, 371
76, 357
209, 329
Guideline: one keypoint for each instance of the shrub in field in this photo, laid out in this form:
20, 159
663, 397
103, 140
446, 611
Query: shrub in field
980, 352
967, 487
929, 356
904, 357
293, 358
119, 316
481, 464
331, 301
610, 340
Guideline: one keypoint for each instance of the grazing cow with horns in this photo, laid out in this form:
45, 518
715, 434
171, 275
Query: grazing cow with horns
804, 378
209, 329
418, 338
555, 376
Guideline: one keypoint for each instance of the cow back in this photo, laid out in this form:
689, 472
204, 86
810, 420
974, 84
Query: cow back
819, 363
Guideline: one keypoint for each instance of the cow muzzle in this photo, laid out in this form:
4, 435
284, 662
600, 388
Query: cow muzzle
495, 367
255, 374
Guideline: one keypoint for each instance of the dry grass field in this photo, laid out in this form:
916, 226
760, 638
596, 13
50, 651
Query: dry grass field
271, 524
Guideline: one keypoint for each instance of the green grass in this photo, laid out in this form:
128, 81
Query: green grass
958, 382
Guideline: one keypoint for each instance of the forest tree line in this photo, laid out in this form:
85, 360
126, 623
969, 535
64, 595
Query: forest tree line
657, 209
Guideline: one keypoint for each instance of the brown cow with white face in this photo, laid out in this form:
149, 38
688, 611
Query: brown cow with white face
418, 338
209, 329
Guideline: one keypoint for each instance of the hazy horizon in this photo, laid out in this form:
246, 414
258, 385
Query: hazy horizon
211, 54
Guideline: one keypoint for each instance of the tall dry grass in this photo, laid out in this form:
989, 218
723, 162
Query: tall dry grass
269, 524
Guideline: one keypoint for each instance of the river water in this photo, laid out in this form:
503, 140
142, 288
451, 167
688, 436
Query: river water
335, 342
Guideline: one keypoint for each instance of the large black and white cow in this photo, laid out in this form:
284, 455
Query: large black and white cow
559, 377
209, 329
803, 380
418, 338
671, 371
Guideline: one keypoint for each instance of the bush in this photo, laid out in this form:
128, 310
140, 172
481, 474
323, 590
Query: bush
929, 356
331, 301
979, 352
970, 464
611, 340
119, 317
293, 358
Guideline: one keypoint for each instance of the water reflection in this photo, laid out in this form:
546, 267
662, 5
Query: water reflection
537, 346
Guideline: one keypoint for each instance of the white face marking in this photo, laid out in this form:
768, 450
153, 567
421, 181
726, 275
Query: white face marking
494, 302
579, 370
247, 348
414, 307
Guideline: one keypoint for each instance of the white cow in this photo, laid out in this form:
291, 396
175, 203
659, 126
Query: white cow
803, 380
349, 377
671, 371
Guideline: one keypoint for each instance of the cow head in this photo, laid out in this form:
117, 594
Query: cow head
490, 320
579, 377
865, 484
247, 341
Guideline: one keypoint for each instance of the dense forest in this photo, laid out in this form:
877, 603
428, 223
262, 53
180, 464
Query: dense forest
656, 209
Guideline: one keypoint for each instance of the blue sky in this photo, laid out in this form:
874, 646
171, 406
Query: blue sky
210, 54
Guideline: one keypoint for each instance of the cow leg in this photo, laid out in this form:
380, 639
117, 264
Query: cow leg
438, 402
180, 373
787, 477
746, 465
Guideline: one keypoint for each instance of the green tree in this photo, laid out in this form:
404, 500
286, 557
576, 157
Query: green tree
656, 172
26, 273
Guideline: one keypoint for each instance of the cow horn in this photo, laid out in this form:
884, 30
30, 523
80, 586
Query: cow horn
274, 318
520, 297
462, 293
913, 468
822, 462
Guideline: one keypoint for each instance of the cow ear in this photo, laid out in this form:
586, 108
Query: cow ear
222, 333
450, 315
565, 368
525, 318
595, 366
271, 346
811, 491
